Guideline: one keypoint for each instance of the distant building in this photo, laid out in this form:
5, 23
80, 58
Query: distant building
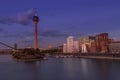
71, 46
102, 41
76, 46
86, 39
49, 46
29, 47
70, 43
111, 41
84, 48
90, 44
42, 49
64, 48
114, 47
85, 43
93, 48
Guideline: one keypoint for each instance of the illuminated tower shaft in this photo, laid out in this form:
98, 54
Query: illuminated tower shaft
35, 20
36, 37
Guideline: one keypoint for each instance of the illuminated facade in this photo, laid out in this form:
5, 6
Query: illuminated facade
35, 20
90, 44
76, 46
85, 43
102, 42
70, 43
114, 47
71, 46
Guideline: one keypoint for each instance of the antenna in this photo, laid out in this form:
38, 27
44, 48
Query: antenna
36, 11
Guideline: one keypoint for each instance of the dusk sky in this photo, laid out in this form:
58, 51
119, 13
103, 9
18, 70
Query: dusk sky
58, 20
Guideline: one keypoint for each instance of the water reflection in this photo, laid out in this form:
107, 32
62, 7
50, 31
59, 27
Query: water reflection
6, 58
101, 69
31, 69
84, 68
59, 69
72, 68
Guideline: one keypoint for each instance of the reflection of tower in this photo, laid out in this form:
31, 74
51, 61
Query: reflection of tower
35, 20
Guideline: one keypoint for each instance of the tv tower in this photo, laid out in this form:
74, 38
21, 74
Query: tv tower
35, 20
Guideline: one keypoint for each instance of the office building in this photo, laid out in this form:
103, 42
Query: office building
114, 47
102, 42
76, 46
85, 43
71, 46
70, 43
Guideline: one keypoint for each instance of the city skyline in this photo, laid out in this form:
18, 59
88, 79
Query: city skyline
58, 20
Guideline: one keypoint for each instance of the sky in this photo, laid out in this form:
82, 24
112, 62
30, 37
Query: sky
58, 20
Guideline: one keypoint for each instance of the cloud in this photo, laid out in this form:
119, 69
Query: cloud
27, 39
11, 35
51, 33
55, 33
28, 36
22, 18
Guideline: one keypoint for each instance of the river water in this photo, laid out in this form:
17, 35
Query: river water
59, 69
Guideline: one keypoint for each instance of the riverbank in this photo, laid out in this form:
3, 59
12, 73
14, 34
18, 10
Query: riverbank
115, 56
26, 57
75, 55
89, 55
19, 60
100, 57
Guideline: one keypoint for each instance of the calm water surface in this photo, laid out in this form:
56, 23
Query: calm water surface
59, 69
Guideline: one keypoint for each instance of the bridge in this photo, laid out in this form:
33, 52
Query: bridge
14, 48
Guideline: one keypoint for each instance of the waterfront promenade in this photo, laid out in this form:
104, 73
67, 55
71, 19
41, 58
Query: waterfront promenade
78, 55
90, 55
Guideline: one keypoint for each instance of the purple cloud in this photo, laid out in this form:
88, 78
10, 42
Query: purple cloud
51, 33
22, 18
56, 33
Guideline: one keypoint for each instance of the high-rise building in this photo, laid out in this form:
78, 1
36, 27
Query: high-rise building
102, 42
86, 39
76, 46
84, 48
70, 43
85, 43
93, 48
71, 46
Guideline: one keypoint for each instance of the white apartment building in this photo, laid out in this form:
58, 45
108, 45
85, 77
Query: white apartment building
76, 46
71, 46
70, 43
